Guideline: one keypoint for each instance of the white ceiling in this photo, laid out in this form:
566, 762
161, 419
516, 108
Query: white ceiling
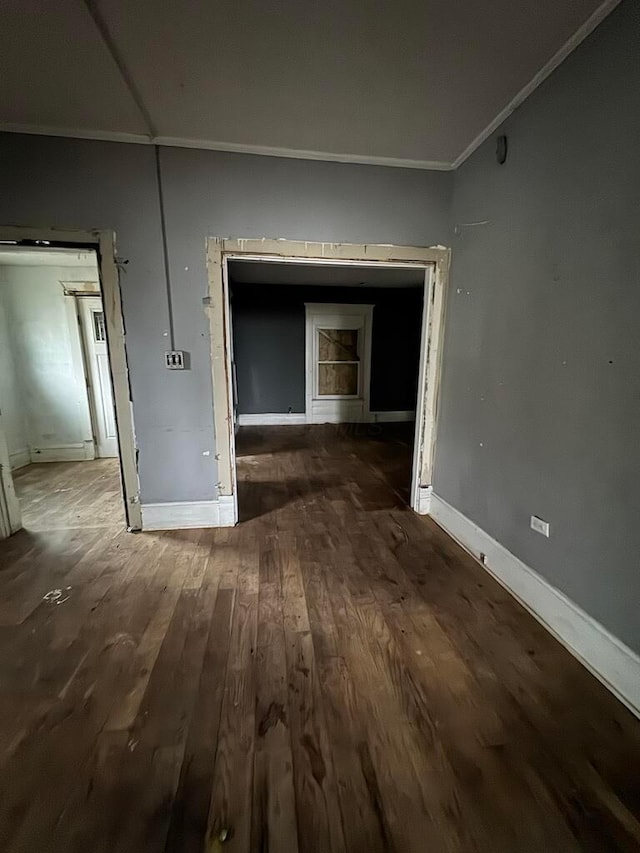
18, 256
256, 272
409, 82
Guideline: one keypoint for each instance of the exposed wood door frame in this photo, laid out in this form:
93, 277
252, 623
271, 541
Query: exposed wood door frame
332, 409
103, 241
435, 261
9, 506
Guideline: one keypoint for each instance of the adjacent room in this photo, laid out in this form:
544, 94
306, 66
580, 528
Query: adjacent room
55, 386
325, 365
319, 423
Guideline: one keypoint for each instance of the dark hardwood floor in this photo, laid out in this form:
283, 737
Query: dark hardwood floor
334, 674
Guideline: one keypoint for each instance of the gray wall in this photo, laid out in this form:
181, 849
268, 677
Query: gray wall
269, 344
541, 383
86, 184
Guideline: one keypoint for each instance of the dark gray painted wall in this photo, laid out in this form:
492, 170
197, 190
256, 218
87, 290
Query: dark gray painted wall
269, 344
86, 184
541, 382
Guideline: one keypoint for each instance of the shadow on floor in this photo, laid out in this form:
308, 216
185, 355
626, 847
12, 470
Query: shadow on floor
260, 497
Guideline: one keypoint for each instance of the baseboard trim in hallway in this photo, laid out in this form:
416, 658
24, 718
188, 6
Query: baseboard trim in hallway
611, 661
19, 458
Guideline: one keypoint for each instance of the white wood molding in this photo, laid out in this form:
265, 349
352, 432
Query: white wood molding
391, 417
297, 418
79, 452
272, 419
227, 511
183, 515
337, 412
611, 661
423, 506
228, 147
557, 59
20, 458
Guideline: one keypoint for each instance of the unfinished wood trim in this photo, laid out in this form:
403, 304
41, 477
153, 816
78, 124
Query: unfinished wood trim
294, 250
435, 335
112, 302
9, 504
104, 242
218, 312
228, 355
221, 249
416, 461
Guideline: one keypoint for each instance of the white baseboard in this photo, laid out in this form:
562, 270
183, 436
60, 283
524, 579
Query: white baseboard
284, 419
424, 500
272, 419
19, 458
80, 452
391, 417
181, 515
228, 513
611, 661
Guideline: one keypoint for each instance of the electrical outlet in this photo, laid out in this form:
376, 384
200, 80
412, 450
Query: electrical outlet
540, 526
174, 359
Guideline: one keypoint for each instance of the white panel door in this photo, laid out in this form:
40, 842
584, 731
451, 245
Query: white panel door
98, 376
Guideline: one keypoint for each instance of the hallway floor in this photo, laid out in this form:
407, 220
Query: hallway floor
334, 674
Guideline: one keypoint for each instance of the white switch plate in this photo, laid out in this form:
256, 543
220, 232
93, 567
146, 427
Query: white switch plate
540, 526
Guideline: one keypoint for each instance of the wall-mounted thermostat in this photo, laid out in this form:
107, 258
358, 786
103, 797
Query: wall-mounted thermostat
175, 359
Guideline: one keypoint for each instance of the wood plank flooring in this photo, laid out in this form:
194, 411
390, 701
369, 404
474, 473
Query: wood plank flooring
61, 495
334, 674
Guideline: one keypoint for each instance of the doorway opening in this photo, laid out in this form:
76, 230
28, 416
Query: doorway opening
335, 348
323, 366
60, 437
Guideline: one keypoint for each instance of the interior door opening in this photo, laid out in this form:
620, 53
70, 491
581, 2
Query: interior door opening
433, 264
326, 362
58, 431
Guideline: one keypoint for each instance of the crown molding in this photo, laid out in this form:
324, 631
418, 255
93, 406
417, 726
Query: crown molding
604, 9
76, 133
227, 147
